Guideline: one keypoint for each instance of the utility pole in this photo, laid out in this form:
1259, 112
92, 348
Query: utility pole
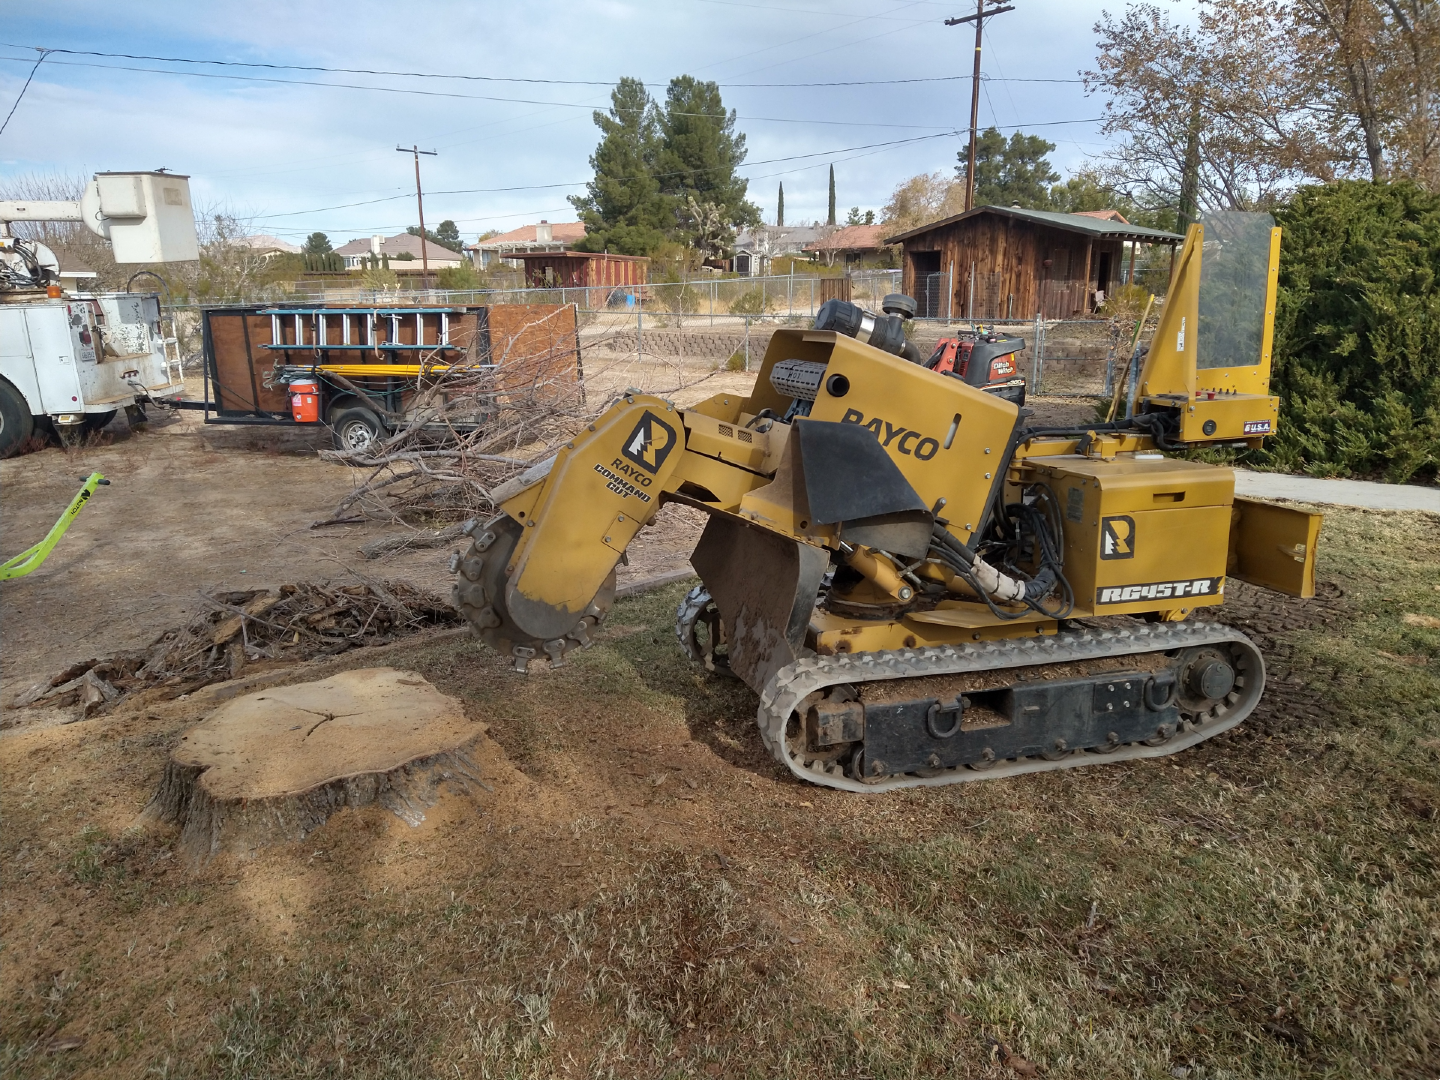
979, 20
420, 205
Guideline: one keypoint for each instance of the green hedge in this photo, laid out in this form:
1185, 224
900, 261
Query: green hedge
1357, 332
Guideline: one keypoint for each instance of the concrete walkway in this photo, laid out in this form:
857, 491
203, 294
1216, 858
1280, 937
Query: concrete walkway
1372, 496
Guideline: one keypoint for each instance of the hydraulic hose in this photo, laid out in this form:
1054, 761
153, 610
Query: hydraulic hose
992, 582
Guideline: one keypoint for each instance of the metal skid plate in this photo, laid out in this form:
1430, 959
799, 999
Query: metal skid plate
1043, 718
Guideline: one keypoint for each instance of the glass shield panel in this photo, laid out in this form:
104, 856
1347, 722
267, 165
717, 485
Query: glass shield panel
1233, 273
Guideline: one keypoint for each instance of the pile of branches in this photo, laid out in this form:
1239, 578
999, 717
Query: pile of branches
292, 623
467, 429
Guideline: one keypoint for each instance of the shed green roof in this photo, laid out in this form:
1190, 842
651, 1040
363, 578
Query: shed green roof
1078, 223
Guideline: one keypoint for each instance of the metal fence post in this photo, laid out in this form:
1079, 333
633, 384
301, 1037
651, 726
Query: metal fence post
1110, 357
639, 325
1134, 383
747, 342
1035, 357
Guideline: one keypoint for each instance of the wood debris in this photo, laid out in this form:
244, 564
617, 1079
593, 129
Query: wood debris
292, 623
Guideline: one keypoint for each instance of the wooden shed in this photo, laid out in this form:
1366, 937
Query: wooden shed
582, 270
995, 262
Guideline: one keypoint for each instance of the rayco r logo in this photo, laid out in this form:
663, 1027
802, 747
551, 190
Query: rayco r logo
1117, 538
650, 443
910, 442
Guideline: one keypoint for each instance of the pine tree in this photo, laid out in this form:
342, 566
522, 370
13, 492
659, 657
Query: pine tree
699, 153
780, 207
830, 220
1009, 173
317, 243
623, 208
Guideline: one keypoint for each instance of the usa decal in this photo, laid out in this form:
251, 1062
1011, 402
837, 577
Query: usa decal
1257, 427
1159, 590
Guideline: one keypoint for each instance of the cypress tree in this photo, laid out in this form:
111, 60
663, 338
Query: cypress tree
830, 220
780, 207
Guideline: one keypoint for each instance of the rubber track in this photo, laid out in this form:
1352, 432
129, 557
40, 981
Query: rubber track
792, 683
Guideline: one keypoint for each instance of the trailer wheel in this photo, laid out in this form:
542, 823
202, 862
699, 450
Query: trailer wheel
16, 423
356, 430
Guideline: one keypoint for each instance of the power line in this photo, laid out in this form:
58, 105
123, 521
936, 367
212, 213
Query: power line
679, 172
491, 78
466, 97
41, 60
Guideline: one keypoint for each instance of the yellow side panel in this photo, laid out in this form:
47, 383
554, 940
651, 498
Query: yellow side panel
1274, 546
728, 483
726, 440
1240, 416
724, 407
1149, 561
947, 438
595, 499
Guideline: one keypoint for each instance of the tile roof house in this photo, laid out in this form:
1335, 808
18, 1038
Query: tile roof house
850, 243
528, 239
268, 245
357, 253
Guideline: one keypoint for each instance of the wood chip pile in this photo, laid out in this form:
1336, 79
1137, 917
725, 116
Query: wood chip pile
290, 624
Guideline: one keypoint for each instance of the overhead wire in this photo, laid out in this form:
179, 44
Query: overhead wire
595, 106
20, 96
500, 78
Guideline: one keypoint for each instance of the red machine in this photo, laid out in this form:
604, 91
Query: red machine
985, 360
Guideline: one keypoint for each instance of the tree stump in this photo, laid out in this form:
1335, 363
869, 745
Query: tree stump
272, 766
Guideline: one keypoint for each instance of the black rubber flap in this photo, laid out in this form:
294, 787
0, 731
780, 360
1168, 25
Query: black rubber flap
848, 475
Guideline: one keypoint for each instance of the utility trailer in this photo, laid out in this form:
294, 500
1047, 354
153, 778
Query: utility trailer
359, 369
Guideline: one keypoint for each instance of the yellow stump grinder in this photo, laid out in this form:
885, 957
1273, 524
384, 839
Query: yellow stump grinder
922, 587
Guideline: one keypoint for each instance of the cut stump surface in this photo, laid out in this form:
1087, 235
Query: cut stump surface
272, 766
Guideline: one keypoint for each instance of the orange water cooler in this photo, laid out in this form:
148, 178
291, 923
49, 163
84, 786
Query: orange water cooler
305, 401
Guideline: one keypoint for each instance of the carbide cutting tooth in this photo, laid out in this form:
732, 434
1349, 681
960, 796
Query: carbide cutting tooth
470, 526
556, 651
523, 655
454, 561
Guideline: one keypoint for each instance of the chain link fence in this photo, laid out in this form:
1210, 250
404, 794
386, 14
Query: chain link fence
689, 329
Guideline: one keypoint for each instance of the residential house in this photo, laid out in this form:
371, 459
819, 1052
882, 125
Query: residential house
851, 245
402, 252
268, 246
528, 239
756, 249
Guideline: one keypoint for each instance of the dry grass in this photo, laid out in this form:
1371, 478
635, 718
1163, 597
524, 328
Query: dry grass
1264, 905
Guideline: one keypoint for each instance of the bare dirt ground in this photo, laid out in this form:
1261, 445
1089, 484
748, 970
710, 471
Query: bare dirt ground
643, 892
190, 509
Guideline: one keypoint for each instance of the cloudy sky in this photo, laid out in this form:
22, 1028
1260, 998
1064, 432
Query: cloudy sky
293, 151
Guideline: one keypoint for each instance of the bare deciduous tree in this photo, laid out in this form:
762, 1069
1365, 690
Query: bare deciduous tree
1260, 96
